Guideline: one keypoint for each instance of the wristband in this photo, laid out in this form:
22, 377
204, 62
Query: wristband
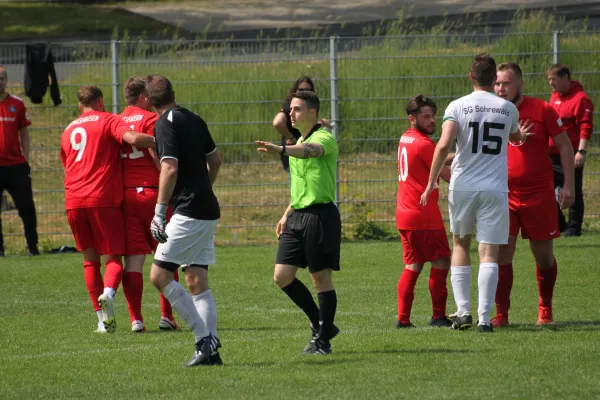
582, 151
282, 149
161, 209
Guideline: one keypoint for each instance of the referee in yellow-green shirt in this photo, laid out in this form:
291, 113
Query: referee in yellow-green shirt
310, 230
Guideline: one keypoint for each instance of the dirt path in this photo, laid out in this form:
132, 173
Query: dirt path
252, 15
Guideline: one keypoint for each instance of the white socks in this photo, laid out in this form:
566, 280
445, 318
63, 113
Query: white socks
488, 282
100, 320
205, 304
461, 286
182, 302
110, 292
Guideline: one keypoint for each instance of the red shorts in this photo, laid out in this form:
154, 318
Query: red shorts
138, 211
100, 228
535, 214
424, 246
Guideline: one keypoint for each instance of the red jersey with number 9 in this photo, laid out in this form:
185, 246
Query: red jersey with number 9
415, 155
139, 169
90, 154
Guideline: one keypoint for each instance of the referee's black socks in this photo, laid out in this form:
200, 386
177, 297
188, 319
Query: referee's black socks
300, 295
327, 307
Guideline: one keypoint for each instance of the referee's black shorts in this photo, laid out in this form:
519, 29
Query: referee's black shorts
311, 237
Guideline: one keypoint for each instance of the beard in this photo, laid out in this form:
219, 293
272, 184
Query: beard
517, 97
425, 129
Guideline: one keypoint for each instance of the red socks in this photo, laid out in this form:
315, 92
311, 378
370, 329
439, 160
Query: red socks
93, 282
546, 279
113, 274
406, 294
133, 288
165, 307
439, 291
505, 283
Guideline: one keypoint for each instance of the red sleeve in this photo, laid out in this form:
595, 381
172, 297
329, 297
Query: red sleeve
23, 117
552, 121
585, 118
115, 127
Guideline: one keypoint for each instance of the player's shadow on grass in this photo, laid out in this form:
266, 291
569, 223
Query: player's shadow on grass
558, 326
320, 360
413, 351
571, 245
256, 328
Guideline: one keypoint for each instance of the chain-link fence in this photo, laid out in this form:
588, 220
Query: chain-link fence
238, 87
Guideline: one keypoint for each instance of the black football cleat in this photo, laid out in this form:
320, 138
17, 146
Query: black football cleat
215, 357
461, 323
404, 325
318, 347
443, 322
204, 348
313, 348
484, 328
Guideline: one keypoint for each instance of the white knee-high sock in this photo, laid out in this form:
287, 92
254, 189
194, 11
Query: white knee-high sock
182, 302
487, 284
461, 286
205, 304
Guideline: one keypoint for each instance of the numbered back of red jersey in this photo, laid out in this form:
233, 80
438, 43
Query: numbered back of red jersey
415, 154
139, 168
90, 154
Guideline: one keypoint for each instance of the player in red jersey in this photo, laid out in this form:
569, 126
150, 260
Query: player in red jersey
421, 227
15, 176
140, 179
90, 152
532, 201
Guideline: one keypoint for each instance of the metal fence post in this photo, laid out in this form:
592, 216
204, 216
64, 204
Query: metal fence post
114, 49
334, 108
555, 46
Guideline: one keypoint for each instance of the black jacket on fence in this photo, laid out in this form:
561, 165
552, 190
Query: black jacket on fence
39, 65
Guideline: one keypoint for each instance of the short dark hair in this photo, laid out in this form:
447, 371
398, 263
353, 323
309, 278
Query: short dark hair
561, 70
160, 91
134, 87
513, 67
415, 105
483, 69
88, 95
310, 99
5, 73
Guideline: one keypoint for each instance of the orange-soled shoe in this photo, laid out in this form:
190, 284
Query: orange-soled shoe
500, 320
544, 315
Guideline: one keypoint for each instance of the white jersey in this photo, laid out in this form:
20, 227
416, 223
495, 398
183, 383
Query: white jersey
485, 121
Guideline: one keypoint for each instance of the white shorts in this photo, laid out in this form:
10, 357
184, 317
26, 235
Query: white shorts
486, 209
191, 242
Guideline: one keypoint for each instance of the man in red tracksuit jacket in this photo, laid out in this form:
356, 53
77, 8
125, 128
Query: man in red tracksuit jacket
576, 111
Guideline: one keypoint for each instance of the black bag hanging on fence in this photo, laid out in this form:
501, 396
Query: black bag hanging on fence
39, 64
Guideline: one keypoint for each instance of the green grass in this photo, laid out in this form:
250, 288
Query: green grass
49, 350
35, 19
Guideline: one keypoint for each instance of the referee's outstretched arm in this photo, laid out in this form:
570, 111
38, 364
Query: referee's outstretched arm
304, 150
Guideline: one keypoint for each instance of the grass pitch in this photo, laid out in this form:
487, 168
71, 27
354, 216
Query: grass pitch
49, 349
